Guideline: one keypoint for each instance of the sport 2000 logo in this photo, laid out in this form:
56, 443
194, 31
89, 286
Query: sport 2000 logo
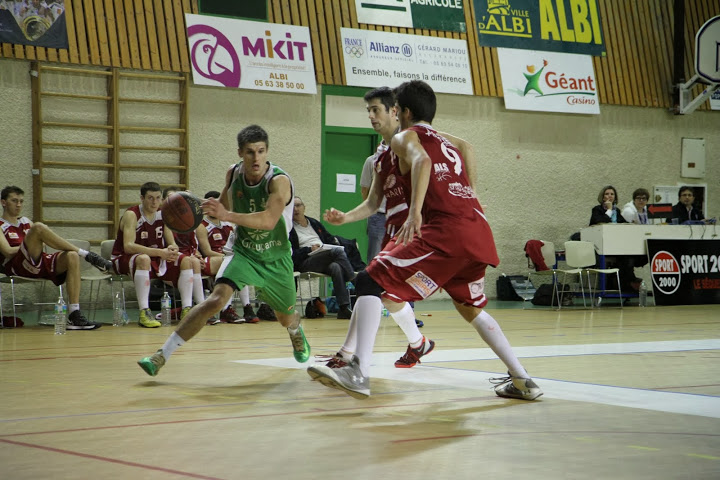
665, 271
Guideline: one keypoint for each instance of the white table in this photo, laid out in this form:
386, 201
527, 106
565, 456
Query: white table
629, 238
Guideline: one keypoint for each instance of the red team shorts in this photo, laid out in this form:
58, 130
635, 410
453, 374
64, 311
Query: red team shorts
45, 267
415, 271
167, 271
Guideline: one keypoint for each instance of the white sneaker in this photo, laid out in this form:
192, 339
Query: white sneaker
516, 387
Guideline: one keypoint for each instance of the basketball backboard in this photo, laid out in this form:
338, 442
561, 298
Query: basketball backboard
707, 67
707, 50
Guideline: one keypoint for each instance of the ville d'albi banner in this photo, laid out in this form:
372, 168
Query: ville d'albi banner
567, 26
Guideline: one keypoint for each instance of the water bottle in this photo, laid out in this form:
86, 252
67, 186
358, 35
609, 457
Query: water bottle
385, 312
643, 294
60, 316
165, 307
118, 320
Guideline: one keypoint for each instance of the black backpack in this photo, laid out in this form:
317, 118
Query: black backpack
544, 295
315, 308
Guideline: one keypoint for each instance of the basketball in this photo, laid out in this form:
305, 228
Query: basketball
182, 212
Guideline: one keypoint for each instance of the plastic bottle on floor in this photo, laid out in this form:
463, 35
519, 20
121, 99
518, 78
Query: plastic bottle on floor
60, 316
642, 294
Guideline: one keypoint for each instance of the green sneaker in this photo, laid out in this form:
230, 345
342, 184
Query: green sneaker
301, 347
184, 312
146, 319
153, 363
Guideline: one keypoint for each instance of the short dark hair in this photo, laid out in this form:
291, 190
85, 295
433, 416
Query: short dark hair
419, 98
168, 190
252, 134
11, 189
684, 188
212, 194
641, 192
150, 187
602, 193
384, 94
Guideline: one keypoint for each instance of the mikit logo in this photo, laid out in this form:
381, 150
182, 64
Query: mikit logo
213, 56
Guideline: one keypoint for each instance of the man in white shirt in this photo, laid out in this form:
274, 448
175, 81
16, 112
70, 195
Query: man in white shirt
309, 235
636, 210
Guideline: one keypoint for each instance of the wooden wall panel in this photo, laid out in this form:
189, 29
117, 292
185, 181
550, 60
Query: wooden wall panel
150, 35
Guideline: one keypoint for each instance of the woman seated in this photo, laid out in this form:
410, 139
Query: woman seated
608, 212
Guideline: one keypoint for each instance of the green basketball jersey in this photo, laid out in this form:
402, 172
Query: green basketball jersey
267, 245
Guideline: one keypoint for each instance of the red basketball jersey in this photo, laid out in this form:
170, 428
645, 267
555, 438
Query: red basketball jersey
218, 234
14, 233
187, 242
148, 232
395, 188
450, 201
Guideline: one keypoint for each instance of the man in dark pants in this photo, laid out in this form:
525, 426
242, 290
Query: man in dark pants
307, 237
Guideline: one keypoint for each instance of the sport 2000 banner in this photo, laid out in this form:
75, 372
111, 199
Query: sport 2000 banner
685, 272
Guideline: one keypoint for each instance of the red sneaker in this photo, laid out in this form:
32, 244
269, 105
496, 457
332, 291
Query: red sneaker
412, 355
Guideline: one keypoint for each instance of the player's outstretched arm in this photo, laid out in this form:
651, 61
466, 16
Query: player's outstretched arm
280, 196
368, 207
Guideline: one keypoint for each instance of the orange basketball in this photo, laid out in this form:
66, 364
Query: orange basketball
182, 212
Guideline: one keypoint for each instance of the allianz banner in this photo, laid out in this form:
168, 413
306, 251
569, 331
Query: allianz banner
685, 272
569, 26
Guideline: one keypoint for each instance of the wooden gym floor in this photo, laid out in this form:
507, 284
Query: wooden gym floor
631, 393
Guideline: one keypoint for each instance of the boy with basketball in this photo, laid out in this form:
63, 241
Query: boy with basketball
21, 254
204, 261
145, 249
446, 242
262, 205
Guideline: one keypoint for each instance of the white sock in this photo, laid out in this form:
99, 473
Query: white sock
142, 288
73, 307
173, 342
185, 285
405, 318
82, 253
491, 332
245, 295
198, 292
348, 348
369, 313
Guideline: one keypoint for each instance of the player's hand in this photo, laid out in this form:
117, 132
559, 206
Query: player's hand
170, 253
333, 216
314, 247
410, 228
214, 208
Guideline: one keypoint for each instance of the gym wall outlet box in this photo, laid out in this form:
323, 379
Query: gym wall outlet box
693, 158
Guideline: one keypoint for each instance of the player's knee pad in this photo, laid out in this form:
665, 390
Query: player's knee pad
365, 285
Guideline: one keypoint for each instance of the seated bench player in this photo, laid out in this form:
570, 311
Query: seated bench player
21, 254
145, 249
205, 261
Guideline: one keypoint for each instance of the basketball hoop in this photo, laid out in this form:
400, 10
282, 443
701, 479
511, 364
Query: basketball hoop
707, 66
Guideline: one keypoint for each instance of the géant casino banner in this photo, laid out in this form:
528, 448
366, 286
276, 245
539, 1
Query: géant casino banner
447, 15
548, 81
685, 272
376, 59
570, 26
226, 52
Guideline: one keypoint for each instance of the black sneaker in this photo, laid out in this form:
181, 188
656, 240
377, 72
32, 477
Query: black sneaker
77, 321
344, 313
98, 262
266, 313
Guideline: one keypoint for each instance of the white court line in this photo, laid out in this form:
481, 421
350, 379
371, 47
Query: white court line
432, 373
